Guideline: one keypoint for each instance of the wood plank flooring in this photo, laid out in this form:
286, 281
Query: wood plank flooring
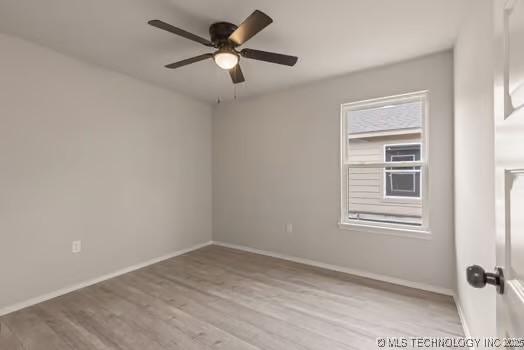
220, 298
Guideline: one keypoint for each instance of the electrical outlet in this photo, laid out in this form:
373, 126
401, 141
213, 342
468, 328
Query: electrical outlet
289, 228
76, 247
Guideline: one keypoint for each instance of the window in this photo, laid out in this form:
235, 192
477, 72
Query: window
383, 163
402, 182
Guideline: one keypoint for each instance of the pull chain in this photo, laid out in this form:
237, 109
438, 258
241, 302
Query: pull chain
218, 73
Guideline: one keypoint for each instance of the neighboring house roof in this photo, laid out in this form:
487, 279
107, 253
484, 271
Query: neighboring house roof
396, 117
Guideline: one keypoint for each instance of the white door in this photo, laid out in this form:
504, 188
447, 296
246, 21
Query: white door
509, 164
508, 277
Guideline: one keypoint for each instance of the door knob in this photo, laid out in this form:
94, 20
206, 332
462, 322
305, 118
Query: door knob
478, 278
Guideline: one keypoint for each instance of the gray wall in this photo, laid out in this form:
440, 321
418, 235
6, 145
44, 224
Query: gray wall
276, 161
89, 154
474, 164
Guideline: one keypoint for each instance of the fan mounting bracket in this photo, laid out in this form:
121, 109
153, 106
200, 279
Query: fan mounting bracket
220, 32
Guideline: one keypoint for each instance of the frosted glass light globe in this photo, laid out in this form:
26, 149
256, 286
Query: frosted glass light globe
225, 59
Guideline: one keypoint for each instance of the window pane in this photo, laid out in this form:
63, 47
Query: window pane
385, 118
367, 201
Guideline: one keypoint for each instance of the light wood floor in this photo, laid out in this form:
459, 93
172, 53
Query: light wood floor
220, 298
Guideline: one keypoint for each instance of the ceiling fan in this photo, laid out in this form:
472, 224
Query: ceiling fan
226, 37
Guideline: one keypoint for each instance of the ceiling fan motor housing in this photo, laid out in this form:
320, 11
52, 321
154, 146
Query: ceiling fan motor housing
220, 32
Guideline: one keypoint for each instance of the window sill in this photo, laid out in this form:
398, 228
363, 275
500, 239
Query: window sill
389, 231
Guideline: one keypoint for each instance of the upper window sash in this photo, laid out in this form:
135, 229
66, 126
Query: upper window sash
419, 96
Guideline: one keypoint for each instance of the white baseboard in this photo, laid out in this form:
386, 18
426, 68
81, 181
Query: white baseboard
62, 291
462, 317
360, 273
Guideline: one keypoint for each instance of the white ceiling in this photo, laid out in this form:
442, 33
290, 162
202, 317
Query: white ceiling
331, 37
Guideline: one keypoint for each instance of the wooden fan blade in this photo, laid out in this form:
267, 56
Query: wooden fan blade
236, 74
257, 21
272, 57
172, 29
189, 61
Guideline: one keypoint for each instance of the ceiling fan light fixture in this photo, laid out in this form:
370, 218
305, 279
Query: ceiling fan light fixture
226, 37
226, 59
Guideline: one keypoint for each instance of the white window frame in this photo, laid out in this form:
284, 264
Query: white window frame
384, 192
402, 230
